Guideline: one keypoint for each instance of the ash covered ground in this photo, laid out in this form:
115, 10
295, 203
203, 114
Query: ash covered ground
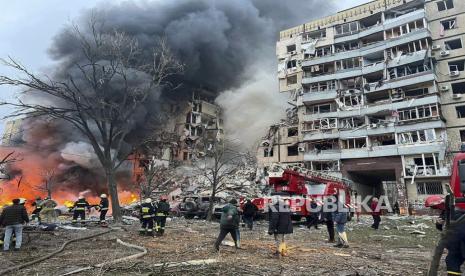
402, 246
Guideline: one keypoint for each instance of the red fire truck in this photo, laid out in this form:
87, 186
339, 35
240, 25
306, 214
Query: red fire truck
300, 186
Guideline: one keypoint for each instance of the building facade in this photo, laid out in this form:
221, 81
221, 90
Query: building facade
378, 89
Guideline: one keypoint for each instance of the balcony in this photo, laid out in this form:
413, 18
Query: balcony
366, 131
361, 33
374, 108
404, 19
342, 74
422, 77
378, 151
408, 58
315, 97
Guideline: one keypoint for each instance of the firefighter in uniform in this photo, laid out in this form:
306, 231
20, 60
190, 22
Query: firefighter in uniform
103, 207
38, 207
163, 210
48, 210
147, 212
80, 209
455, 243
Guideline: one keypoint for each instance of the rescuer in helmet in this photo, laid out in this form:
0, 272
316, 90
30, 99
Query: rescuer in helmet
163, 210
48, 210
455, 242
147, 212
103, 208
80, 209
38, 207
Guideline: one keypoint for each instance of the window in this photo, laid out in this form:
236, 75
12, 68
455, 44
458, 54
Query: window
430, 188
291, 80
268, 152
458, 65
462, 136
453, 44
460, 111
416, 92
291, 48
292, 131
458, 88
355, 143
348, 63
417, 136
347, 28
445, 5
293, 150
324, 108
291, 64
448, 24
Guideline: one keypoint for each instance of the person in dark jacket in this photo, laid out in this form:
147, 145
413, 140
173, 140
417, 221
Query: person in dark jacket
229, 223
147, 212
103, 207
280, 224
79, 209
375, 213
340, 219
328, 219
163, 210
249, 213
13, 217
313, 218
38, 207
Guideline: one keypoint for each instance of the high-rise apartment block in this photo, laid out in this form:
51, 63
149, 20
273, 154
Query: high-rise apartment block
380, 96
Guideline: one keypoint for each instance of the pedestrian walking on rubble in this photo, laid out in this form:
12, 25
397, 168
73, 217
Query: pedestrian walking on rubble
249, 212
375, 213
147, 213
280, 224
162, 212
229, 223
13, 217
327, 215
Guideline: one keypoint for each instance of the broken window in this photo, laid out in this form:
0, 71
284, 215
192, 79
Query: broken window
322, 108
460, 111
314, 35
291, 80
408, 70
430, 188
291, 64
383, 140
445, 5
324, 145
351, 83
462, 136
349, 101
347, 28
351, 123
268, 152
323, 166
419, 112
291, 48
458, 65
354, 143
320, 69
448, 24
292, 131
293, 150
348, 63
348, 46
323, 51
416, 92
322, 124
453, 44
417, 136
322, 86
458, 88
422, 165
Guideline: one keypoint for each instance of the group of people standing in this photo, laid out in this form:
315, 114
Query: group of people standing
153, 214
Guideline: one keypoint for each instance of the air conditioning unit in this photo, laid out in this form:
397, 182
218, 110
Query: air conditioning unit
444, 88
436, 47
456, 96
444, 53
301, 149
455, 73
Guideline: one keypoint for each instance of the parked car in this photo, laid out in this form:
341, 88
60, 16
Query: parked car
197, 206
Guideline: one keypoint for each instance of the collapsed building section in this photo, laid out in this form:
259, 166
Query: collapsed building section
378, 96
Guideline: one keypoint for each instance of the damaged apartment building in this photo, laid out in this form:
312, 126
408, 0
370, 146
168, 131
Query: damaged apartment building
379, 91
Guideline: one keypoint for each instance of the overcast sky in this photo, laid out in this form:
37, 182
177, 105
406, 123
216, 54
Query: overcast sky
27, 27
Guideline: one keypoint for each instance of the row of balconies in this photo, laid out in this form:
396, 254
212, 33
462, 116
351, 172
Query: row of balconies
372, 109
375, 151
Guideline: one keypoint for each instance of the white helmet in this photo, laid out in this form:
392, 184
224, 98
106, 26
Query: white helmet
148, 200
22, 201
103, 196
81, 197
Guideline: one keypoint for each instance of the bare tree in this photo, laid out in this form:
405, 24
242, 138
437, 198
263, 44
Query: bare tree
101, 92
155, 177
4, 162
220, 158
48, 177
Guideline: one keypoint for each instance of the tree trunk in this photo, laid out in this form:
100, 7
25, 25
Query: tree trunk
113, 191
211, 204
